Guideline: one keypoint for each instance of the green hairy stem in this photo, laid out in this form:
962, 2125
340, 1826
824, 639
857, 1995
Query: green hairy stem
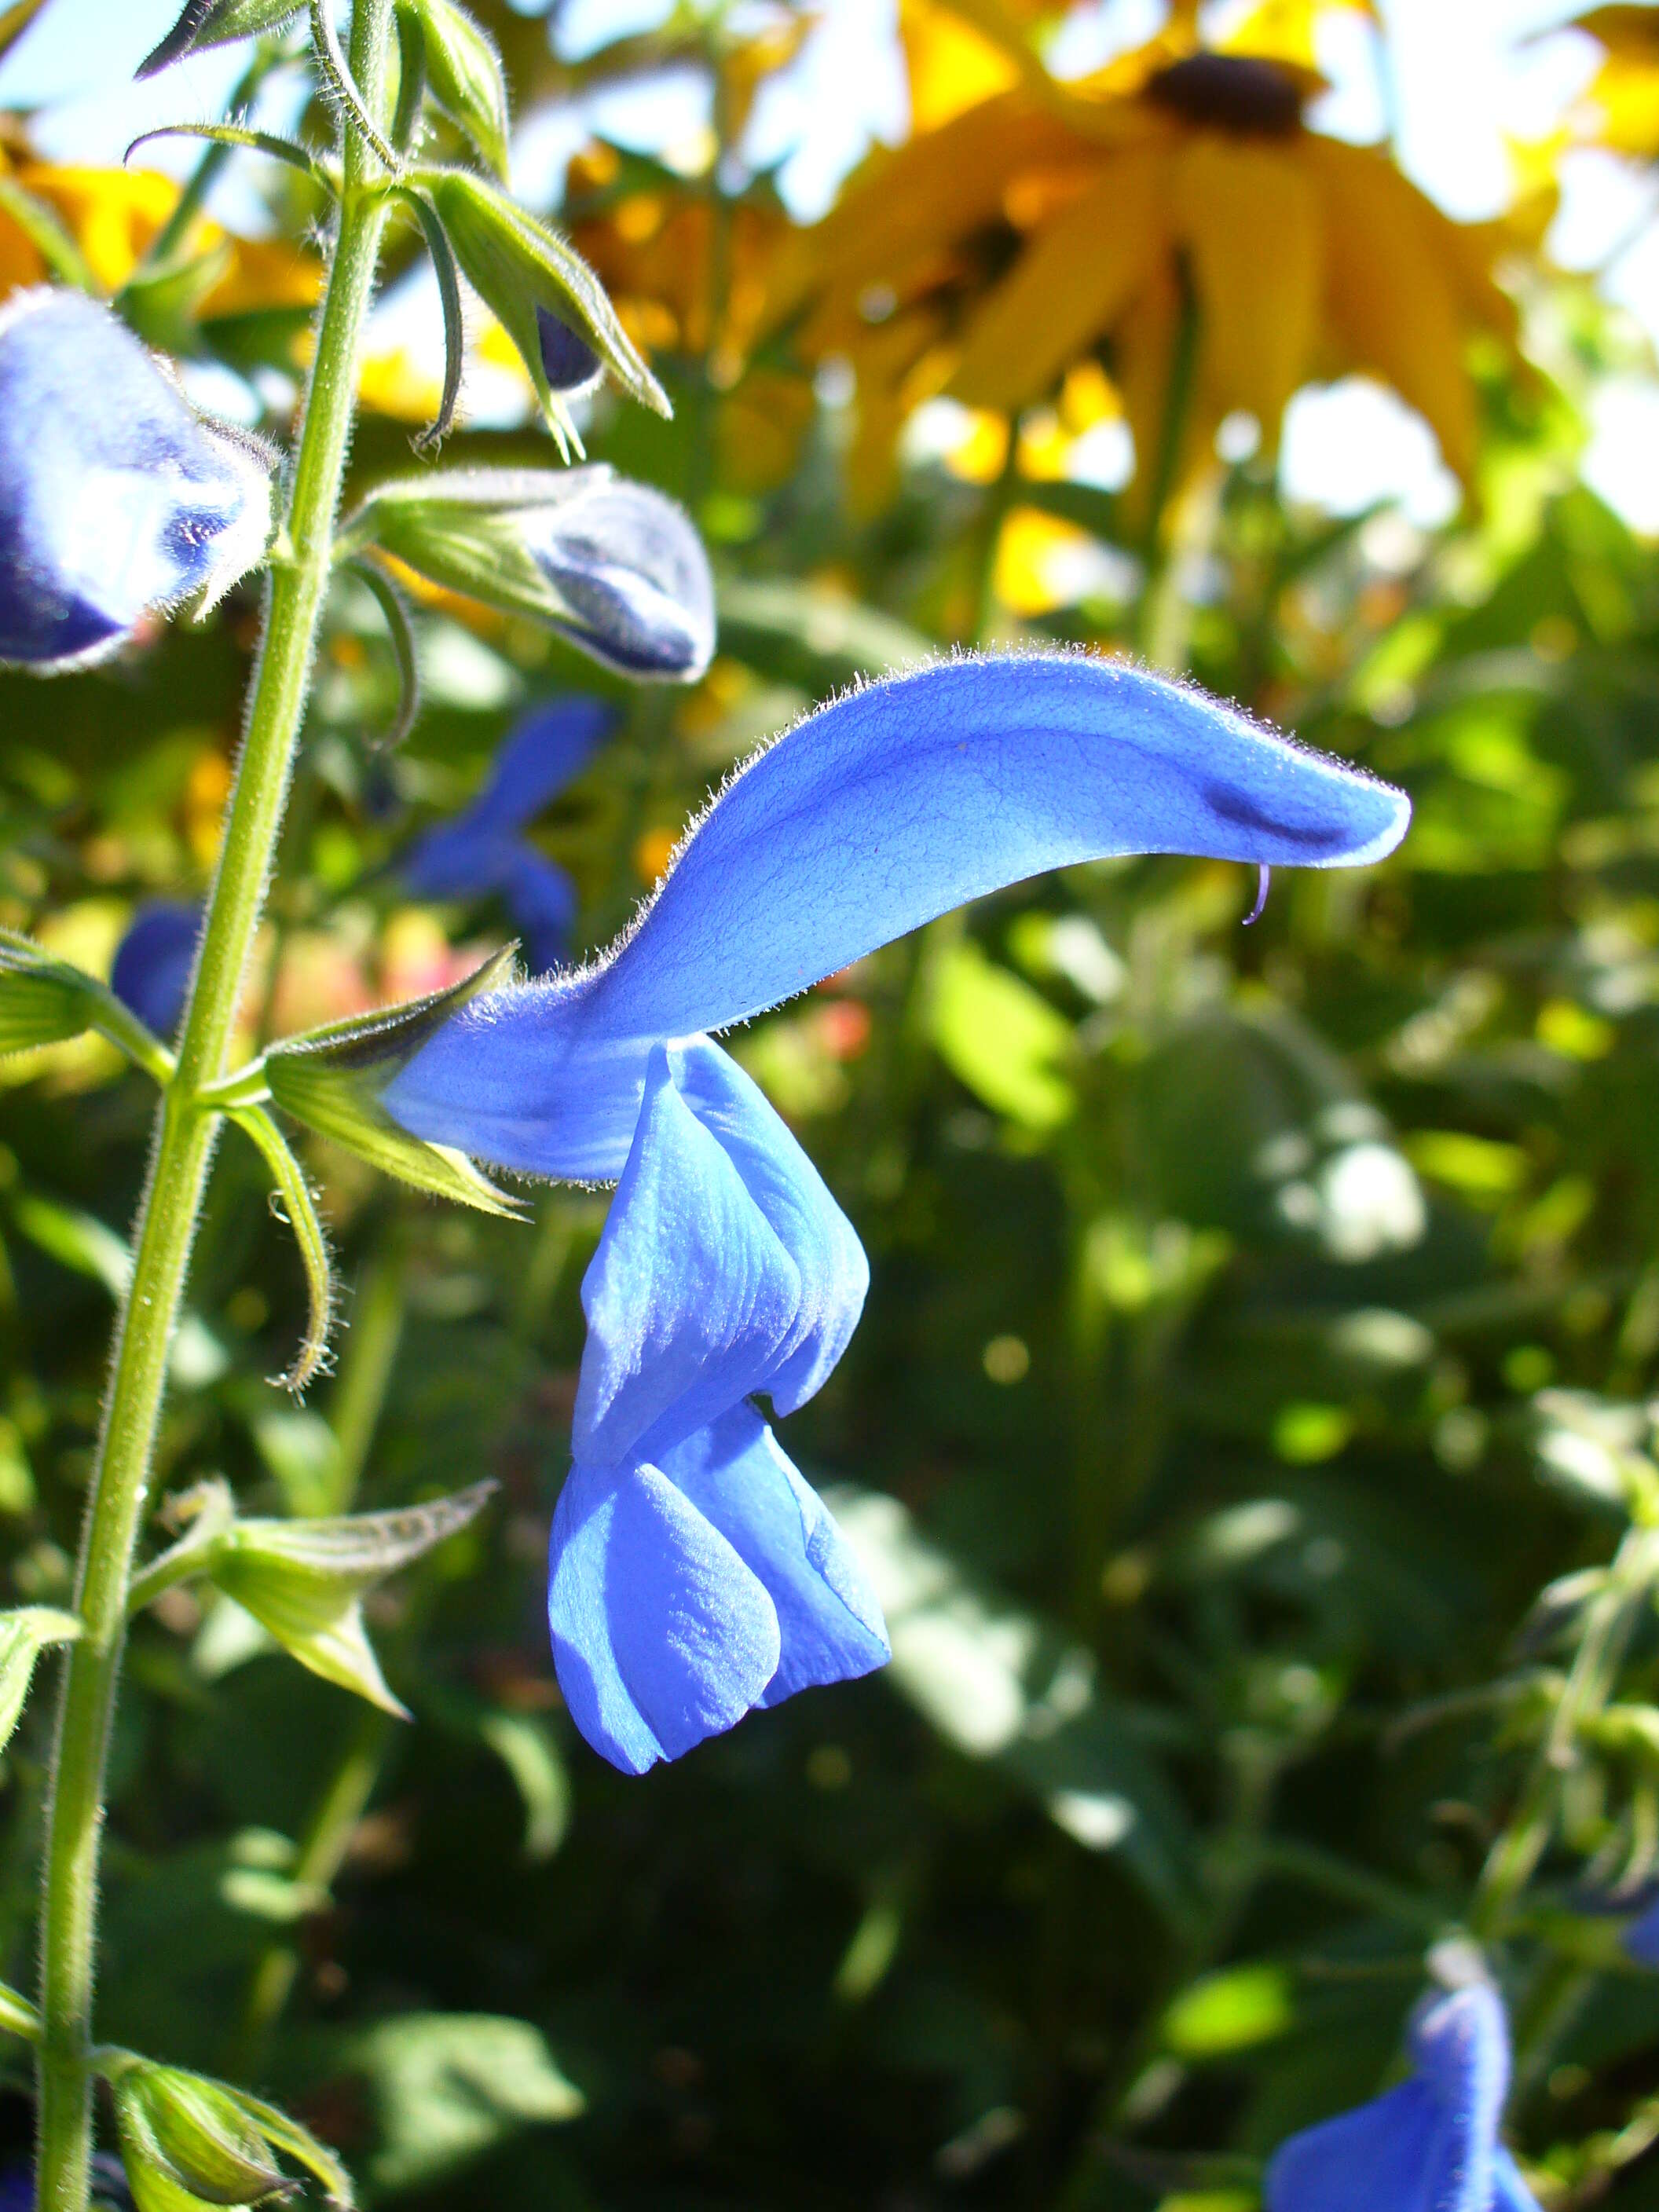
183, 1148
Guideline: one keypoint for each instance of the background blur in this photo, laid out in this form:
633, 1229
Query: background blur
1258, 1317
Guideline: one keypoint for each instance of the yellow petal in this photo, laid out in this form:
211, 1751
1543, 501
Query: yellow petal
1288, 30
1393, 291
951, 66
919, 199
1068, 287
1247, 216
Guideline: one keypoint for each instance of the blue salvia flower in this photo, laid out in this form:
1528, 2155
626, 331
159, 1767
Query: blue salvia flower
874, 815
116, 499
151, 970
693, 1575
1430, 2145
481, 852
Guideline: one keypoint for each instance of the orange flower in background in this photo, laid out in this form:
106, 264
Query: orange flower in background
1173, 214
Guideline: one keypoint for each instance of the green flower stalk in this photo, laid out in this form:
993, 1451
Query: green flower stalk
184, 1135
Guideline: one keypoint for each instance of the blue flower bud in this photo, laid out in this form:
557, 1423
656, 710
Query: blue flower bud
572, 367
631, 568
116, 499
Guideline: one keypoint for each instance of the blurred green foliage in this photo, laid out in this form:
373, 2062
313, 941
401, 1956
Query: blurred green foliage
1259, 1321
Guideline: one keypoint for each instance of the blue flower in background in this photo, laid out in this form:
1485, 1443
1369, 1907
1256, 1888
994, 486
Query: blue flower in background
874, 815
1430, 2145
116, 499
152, 961
480, 852
693, 1575
1641, 1938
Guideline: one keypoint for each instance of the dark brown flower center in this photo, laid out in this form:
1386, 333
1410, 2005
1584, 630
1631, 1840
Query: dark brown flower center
1235, 92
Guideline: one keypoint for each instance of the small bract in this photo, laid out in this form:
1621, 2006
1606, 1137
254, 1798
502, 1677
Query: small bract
117, 500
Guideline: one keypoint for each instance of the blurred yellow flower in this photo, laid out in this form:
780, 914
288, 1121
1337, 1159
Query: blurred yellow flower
113, 216
692, 277
1041, 223
1620, 105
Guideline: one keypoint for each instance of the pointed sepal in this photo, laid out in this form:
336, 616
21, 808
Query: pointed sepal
332, 1079
304, 1581
43, 1000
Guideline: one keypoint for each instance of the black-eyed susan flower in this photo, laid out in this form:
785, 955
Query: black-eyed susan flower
1173, 216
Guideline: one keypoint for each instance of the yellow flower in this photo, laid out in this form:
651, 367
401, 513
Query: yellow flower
1044, 224
113, 216
1620, 107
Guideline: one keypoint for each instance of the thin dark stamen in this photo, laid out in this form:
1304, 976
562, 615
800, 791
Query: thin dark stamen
1255, 914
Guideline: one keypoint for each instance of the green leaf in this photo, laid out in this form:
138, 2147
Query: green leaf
529, 1751
1231, 2011
25, 1634
303, 1580
805, 634
76, 1240
89, 1247
300, 1214
1001, 1038
448, 2086
213, 24
516, 265
1002, 1684
332, 1080
465, 73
